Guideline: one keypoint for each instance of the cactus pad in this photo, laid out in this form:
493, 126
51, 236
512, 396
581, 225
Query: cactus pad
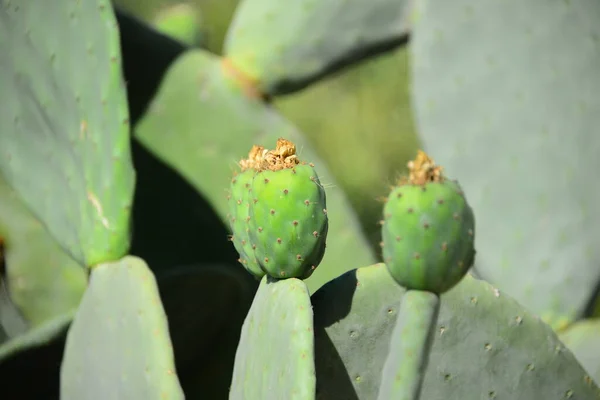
118, 346
201, 123
288, 213
583, 339
43, 281
428, 230
64, 130
485, 345
506, 97
278, 365
284, 46
403, 371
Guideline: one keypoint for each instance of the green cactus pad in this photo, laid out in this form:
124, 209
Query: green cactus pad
64, 135
37, 337
201, 123
485, 345
239, 213
118, 346
284, 46
506, 97
275, 356
180, 21
288, 215
42, 280
403, 371
583, 339
428, 230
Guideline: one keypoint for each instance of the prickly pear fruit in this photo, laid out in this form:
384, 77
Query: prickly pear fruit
428, 229
288, 216
239, 212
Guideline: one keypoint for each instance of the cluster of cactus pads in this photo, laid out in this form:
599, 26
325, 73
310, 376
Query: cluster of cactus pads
112, 284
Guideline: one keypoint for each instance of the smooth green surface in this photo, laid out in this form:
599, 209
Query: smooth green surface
485, 345
202, 124
64, 123
43, 281
403, 371
428, 235
506, 99
275, 356
38, 336
288, 221
180, 21
583, 339
118, 346
284, 46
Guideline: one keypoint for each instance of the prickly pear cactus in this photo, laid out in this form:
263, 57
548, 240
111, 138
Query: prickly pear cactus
287, 218
428, 233
118, 346
275, 356
485, 345
505, 95
64, 135
428, 229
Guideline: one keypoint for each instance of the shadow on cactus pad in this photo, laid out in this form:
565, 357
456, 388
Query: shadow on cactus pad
486, 345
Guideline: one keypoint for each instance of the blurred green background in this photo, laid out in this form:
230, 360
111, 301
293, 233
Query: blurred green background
359, 119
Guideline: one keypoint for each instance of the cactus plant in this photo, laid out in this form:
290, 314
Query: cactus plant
410, 328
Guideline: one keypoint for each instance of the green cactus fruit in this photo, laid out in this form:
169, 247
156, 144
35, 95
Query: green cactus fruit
275, 358
119, 346
428, 230
64, 123
288, 214
239, 214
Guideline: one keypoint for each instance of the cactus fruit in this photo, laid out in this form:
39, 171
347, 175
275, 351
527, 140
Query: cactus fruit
239, 212
288, 213
64, 137
428, 229
275, 355
118, 346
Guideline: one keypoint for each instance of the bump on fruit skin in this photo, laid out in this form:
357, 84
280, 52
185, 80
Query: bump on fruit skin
428, 230
238, 200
